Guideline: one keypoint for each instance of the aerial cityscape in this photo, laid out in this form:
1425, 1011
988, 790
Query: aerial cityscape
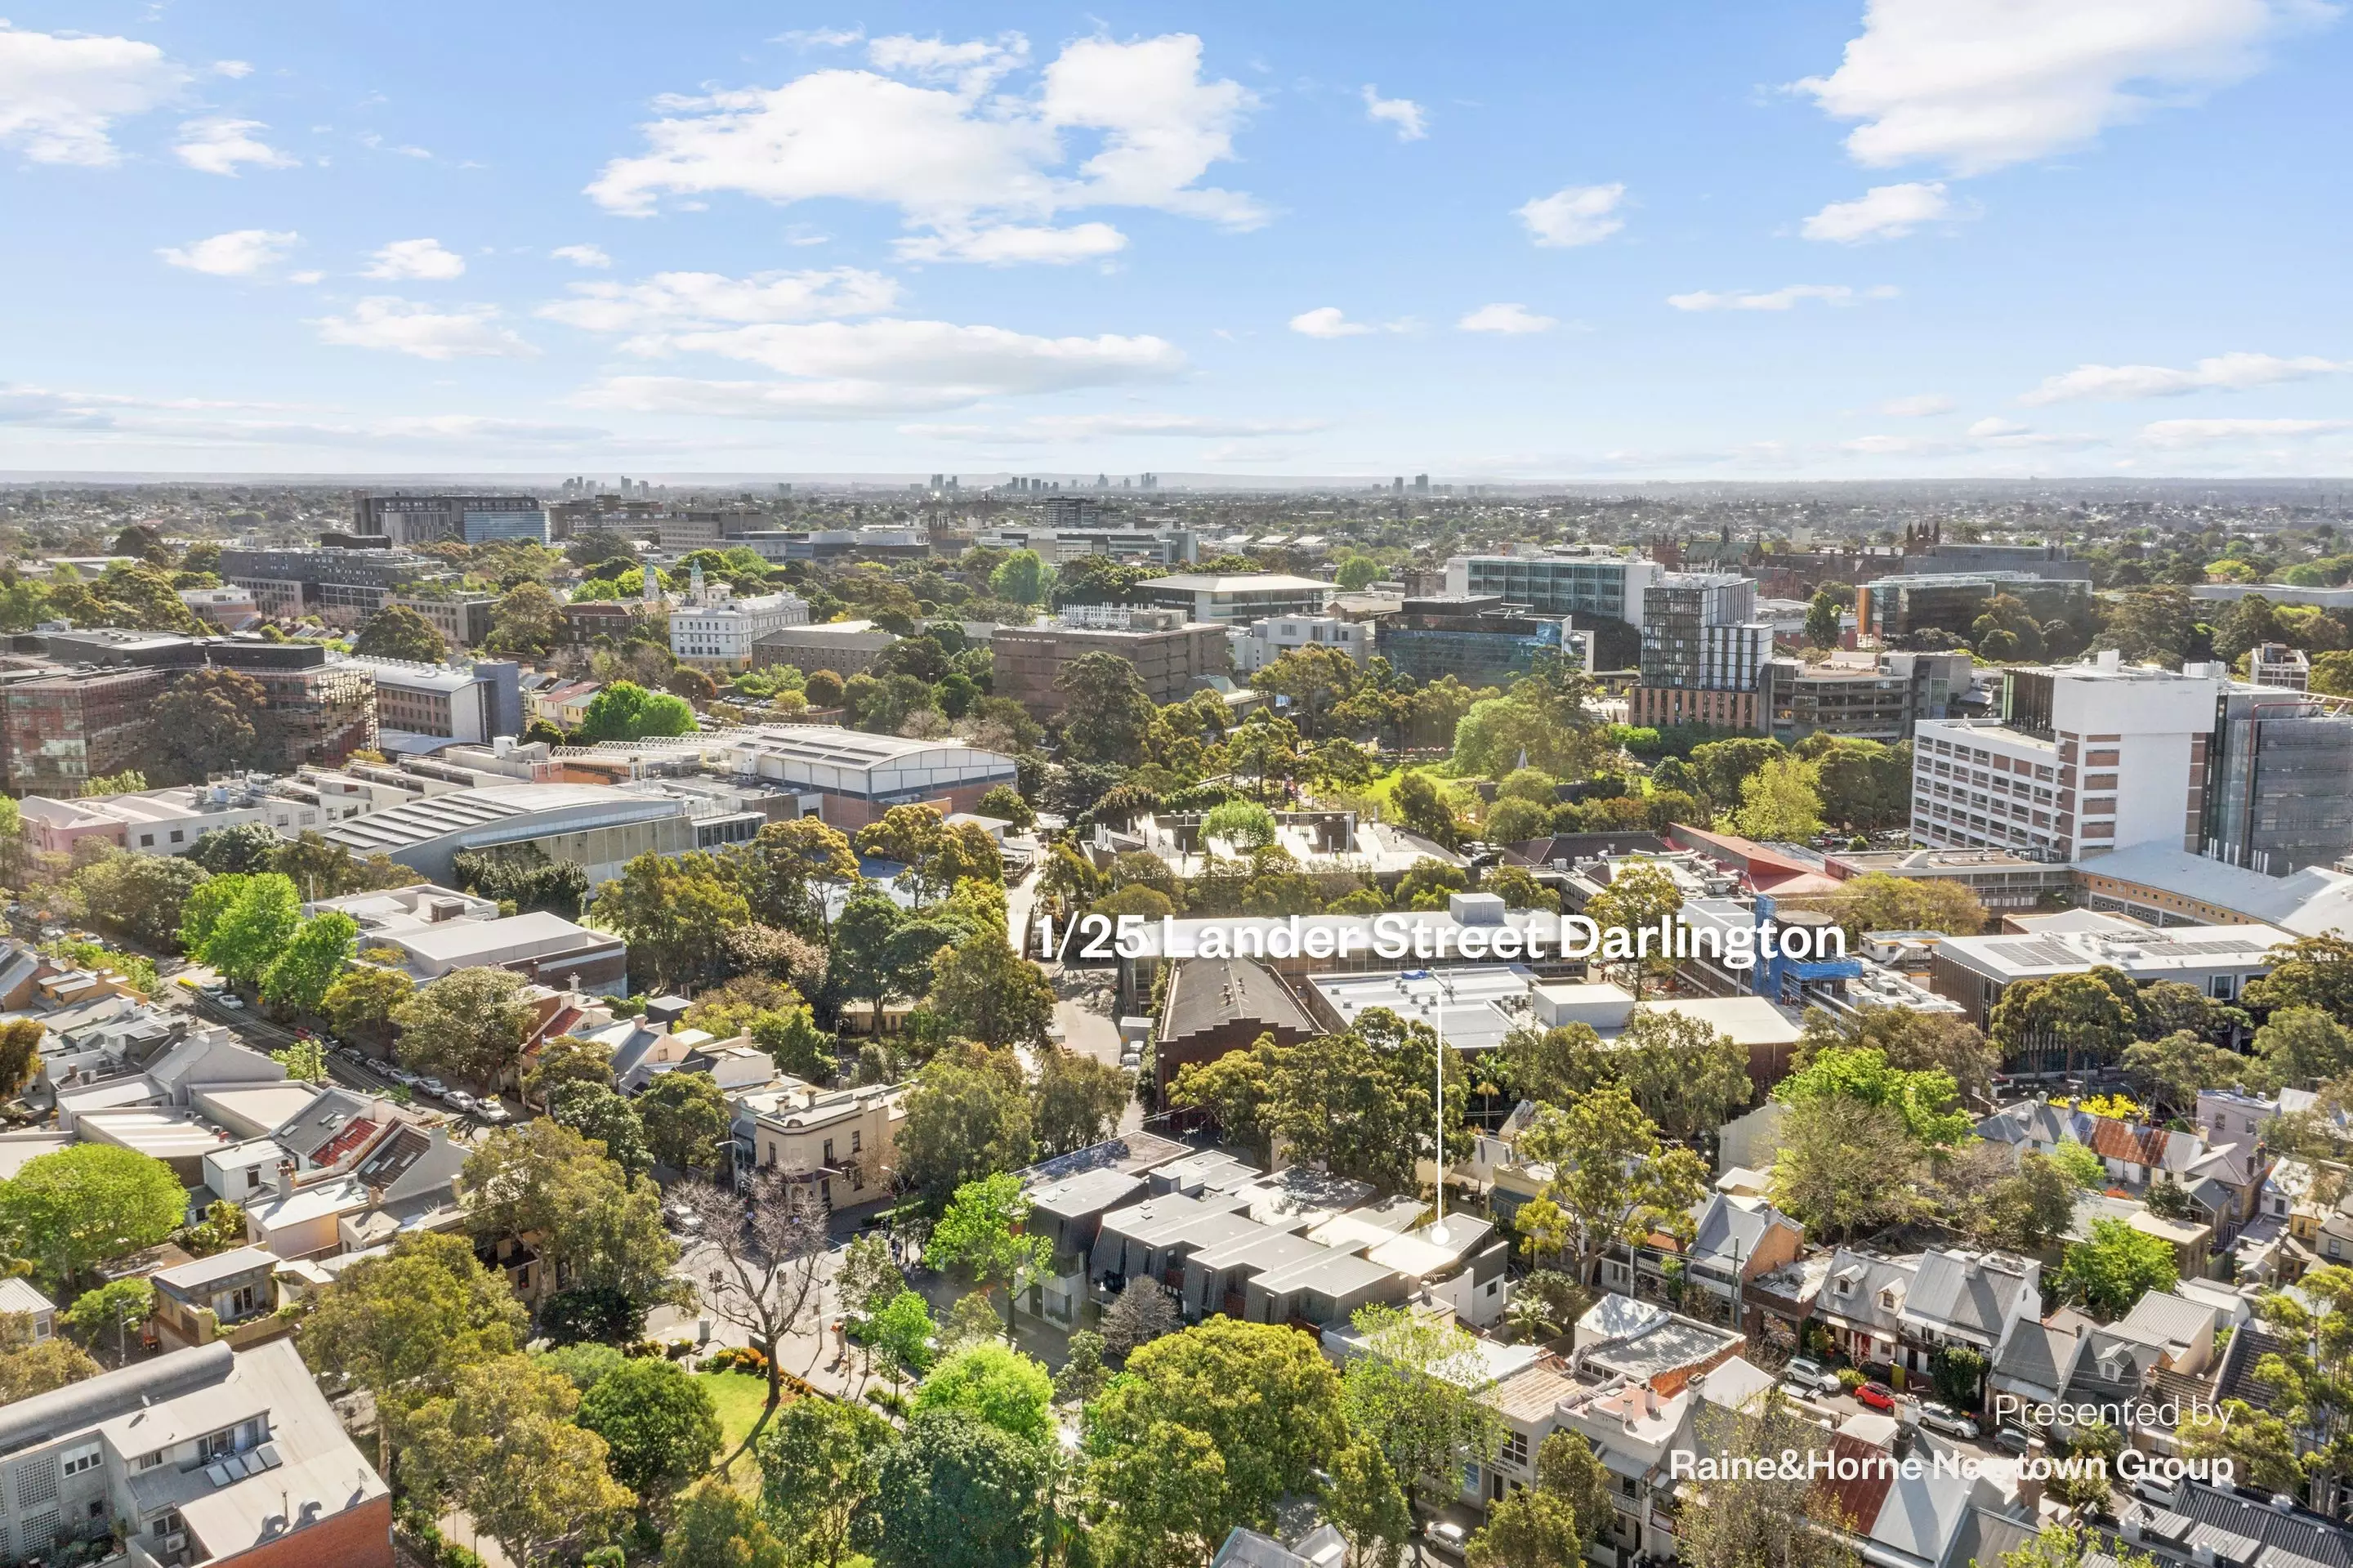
1239, 788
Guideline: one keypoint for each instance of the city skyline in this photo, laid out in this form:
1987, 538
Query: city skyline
1821, 242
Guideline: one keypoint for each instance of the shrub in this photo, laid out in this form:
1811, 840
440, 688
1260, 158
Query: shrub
1850, 1380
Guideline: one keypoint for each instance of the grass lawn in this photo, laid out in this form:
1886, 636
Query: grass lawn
738, 1397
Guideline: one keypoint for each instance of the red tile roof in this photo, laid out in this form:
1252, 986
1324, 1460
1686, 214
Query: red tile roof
2113, 1140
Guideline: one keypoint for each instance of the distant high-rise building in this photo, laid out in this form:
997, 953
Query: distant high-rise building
403, 519
1396, 486
1421, 484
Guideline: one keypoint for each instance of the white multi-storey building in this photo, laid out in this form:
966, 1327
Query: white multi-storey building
714, 630
2087, 758
1262, 643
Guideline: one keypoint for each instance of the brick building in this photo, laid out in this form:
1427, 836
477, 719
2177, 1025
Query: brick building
1170, 652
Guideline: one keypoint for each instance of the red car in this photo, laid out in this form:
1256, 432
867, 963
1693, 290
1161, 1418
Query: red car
1877, 1396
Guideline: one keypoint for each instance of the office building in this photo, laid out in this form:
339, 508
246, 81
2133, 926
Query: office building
2280, 667
1237, 600
1162, 545
845, 647
2218, 959
2277, 593
403, 519
1172, 654
1906, 605
341, 588
2001, 881
875, 542
2279, 790
713, 631
68, 726
1476, 639
436, 930
1592, 583
849, 778
1262, 643
1703, 654
463, 619
707, 529
171, 821
2085, 759
230, 1458
223, 609
1880, 702
472, 703
1926, 553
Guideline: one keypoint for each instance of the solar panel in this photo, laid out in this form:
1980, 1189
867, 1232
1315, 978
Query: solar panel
268, 1456
217, 1474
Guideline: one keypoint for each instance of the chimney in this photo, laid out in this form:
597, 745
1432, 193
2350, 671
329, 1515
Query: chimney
2029, 1479
286, 1178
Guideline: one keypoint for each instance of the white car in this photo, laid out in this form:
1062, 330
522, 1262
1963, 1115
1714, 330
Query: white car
458, 1100
433, 1086
1810, 1376
492, 1112
1944, 1418
228, 1003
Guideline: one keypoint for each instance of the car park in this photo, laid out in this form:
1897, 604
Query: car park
1877, 1396
1944, 1418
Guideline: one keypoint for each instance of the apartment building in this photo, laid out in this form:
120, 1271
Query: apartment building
463, 619
1590, 583
1703, 654
1171, 652
1912, 602
61, 728
343, 587
468, 703
840, 1145
209, 1454
2085, 759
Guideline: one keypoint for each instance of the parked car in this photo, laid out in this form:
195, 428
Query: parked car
228, 1003
2012, 1439
458, 1100
403, 1077
1810, 1376
433, 1086
1944, 1418
1877, 1396
490, 1111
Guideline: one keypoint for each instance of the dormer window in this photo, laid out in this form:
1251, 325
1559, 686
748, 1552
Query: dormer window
1887, 1299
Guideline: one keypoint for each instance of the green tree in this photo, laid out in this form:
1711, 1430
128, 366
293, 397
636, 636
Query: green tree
718, 1528
1244, 824
396, 631
1356, 573
659, 1427
2115, 1267
670, 910
1684, 1074
471, 1024
79, 1207
955, 1492
1076, 1100
364, 998
1419, 808
1528, 1529
990, 995
687, 1121
1846, 1167
902, 1326
1107, 713
2260, 1446
2085, 1015
501, 1446
997, 1384
2310, 971
1878, 902
626, 711
1823, 625
1367, 1506
2301, 1047
2074, 1546
2024, 1211
305, 1061
1613, 1182
307, 967
254, 929
981, 1233
1022, 578
789, 873
936, 853
818, 1468
1083, 1373
1637, 898
602, 1114
1723, 767
206, 722
140, 896
1779, 801
1211, 1426
1910, 1042
1414, 1390
968, 1118
2085, 1168
1141, 1313
1927, 1102
595, 1226
529, 624
110, 1312
20, 1053
401, 1324
2172, 1070
28, 1369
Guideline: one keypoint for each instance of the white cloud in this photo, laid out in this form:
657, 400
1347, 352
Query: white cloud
957, 156
1980, 84
1883, 212
1899, 446
1327, 321
1993, 427
306, 277
1402, 113
1780, 299
1514, 319
2225, 371
582, 255
821, 37
1917, 407
418, 258
1048, 428
407, 326
1008, 244
673, 300
218, 146
239, 254
232, 69
1574, 214
2216, 432
60, 94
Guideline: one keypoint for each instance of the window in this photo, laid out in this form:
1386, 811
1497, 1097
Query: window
178, 836
1515, 1450
146, 841
828, 1151
216, 1446
252, 1177
149, 1461
857, 1140
87, 1456
245, 1300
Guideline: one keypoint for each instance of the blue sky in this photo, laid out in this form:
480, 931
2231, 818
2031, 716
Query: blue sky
1871, 239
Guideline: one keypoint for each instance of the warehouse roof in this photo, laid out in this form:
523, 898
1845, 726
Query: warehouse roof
438, 816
